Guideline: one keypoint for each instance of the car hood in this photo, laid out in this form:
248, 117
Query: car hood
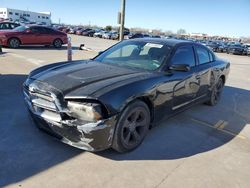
88, 78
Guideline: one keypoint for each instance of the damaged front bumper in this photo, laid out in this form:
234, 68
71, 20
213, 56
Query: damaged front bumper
87, 136
90, 136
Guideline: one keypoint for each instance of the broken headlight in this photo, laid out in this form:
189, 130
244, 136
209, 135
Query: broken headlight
85, 111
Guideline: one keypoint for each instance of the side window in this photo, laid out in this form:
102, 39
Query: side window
12, 26
184, 55
47, 30
35, 29
203, 55
211, 57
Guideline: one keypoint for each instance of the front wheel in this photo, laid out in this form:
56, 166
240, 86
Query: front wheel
132, 127
57, 43
216, 93
14, 43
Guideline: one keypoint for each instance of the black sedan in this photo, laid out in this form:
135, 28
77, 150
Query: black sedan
236, 49
113, 99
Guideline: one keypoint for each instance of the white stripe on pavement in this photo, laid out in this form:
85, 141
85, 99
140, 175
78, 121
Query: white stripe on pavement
30, 60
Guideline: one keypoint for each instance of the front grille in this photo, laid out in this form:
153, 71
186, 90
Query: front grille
42, 104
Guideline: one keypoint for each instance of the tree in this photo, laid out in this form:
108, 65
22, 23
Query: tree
181, 32
108, 28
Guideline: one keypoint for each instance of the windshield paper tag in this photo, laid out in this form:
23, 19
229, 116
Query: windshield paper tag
152, 45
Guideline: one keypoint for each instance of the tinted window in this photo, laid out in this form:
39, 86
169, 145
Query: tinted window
184, 55
203, 55
48, 30
37, 29
211, 56
3, 26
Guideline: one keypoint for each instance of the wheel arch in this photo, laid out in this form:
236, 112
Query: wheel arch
223, 78
57, 38
144, 99
14, 38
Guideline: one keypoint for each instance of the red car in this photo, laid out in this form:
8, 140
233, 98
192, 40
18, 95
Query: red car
32, 35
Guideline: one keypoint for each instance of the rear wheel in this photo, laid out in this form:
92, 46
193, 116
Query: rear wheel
132, 127
14, 43
57, 43
216, 93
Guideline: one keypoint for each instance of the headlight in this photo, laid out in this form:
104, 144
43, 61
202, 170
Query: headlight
85, 111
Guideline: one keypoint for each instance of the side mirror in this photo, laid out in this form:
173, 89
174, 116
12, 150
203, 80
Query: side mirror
28, 31
180, 67
99, 53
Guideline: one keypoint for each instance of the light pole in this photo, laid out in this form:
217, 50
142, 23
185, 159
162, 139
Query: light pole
122, 19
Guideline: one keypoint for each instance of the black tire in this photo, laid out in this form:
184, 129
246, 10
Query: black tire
14, 43
132, 127
216, 93
57, 43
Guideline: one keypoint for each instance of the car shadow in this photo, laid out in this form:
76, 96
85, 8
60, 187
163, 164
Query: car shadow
26, 151
193, 131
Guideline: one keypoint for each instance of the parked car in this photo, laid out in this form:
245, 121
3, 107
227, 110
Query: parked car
145, 35
248, 51
32, 35
88, 32
214, 46
99, 33
113, 99
107, 35
222, 47
136, 35
79, 31
114, 36
156, 36
66, 30
72, 31
236, 49
8, 25
246, 48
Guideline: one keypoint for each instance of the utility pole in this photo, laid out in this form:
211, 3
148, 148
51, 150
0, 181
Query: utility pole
122, 19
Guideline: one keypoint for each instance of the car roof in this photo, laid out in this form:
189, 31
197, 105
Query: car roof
169, 42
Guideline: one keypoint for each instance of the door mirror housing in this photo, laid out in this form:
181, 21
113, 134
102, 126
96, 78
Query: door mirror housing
180, 67
28, 31
99, 53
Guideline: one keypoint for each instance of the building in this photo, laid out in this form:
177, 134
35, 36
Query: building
24, 16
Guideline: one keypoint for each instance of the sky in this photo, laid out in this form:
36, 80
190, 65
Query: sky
213, 17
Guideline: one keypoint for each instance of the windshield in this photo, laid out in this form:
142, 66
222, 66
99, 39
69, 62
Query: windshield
136, 54
20, 28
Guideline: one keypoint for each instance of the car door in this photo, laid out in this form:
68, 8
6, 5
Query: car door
49, 35
187, 82
38, 35
205, 59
